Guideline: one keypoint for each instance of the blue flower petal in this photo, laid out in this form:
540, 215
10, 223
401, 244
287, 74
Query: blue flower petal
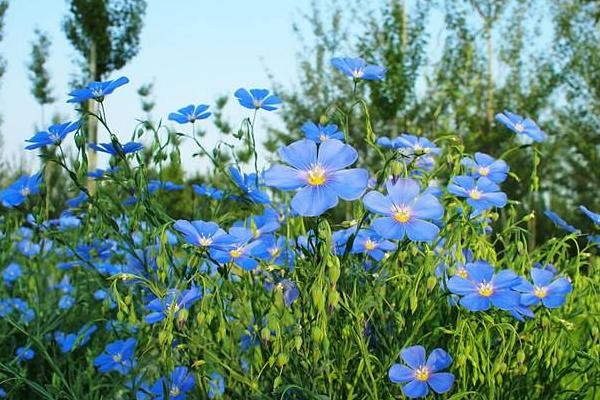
284, 178
414, 356
335, 155
312, 201
399, 373
441, 382
475, 302
420, 230
349, 184
415, 389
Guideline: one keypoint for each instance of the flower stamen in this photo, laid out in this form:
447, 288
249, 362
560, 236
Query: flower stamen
422, 373
402, 214
486, 289
540, 292
316, 176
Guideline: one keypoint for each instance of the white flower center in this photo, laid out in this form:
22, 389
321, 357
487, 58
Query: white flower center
316, 176
358, 73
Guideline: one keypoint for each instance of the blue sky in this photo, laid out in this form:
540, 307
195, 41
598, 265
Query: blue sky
193, 51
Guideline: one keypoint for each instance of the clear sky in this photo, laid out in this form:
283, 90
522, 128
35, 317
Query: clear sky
193, 51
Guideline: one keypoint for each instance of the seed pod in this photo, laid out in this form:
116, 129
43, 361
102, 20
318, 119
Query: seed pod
316, 334
282, 359
334, 269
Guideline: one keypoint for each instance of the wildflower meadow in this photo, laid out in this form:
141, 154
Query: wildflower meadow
400, 271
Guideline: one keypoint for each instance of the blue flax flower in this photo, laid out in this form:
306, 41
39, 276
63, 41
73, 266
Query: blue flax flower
216, 385
66, 302
53, 136
172, 303
25, 353
109, 148
203, 234
11, 273
261, 224
279, 251
591, 215
288, 290
482, 194
371, 243
257, 98
248, 185
545, 289
485, 165
411, 145
483, 288
244, 250
155, 185
77, 201
68, 342
561, 223
357, 68
17, 193
204, 190
190, 114
96, 90
422, 374
320, 133
117, 356
320, 175
177, 385
521, 126
405, 211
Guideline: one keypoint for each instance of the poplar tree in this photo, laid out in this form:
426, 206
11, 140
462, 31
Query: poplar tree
106, 33
38, 71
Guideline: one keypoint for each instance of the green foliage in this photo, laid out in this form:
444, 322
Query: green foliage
38, 72
109, 29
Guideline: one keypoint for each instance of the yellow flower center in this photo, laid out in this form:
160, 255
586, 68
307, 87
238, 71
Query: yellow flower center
484, 171
422, 373
402, 214
117, 358
316, 176
25, 191
257, 103
540, 292
175, 391
462, 273
236, 253
519, 127
475, 194
323, 138
274, 252
370, 245
486, 289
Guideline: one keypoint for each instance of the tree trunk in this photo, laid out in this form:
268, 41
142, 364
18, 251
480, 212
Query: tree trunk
92, 128
490, 72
